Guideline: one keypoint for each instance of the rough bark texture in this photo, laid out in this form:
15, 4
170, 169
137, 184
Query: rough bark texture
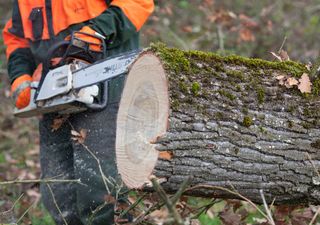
232, 125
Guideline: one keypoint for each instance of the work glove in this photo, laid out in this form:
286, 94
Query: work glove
21, 91
94, 42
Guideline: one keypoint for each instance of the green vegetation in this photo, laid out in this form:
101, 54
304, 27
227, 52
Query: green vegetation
44, 219
227, 94
260, 94
178, 61
247, 121
236, 74
195, 88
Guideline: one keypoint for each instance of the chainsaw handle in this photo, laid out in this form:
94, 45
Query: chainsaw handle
104, 99
47, 61
53, 50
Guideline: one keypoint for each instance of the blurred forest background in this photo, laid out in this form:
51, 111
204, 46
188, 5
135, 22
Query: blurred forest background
244, 27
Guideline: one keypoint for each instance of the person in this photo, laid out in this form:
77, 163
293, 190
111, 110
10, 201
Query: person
35, 26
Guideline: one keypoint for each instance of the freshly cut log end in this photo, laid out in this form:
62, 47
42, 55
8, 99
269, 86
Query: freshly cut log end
142, 117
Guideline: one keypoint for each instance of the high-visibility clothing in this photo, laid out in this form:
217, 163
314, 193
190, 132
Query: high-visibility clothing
37, 24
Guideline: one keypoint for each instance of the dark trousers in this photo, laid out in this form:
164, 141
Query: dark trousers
63, 158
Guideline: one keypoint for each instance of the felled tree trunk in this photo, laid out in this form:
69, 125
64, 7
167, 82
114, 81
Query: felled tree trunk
225, 121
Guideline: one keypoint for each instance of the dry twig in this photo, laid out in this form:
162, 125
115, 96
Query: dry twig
45, 181
56, 204
28, 209
269, 218
175, 215
313, 221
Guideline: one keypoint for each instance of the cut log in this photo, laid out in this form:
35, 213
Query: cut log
225, 121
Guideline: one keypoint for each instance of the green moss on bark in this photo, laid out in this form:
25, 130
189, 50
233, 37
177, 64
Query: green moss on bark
227, 94
178, 60
260, 94
247, 121
195, 88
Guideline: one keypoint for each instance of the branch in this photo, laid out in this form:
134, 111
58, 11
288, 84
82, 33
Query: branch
56, 204
315, 217
181, 190
270, 218
158, 205
46, 181
169, 204
132, 206
103, 176
28, 209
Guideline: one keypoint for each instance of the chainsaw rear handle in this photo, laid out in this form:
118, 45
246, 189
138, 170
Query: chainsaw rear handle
72, 49
63, 45
75, 48
104, 99
47, 62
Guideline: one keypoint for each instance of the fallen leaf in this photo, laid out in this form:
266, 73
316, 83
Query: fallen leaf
33, 152
31, 176
75, 133
247, 21
302, 216
34, 194
230, 218
195, 222
290, 82
80, 137
280, 77
30, 163
58, 122
270, 26
160, 215
110, 199
246, 35
284, 55
187, 29
305, 84
22, 175
83, 133
282, 211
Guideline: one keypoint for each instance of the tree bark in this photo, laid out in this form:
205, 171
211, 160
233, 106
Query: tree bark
225, 121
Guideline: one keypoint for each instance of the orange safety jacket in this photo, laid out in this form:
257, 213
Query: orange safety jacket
35, 22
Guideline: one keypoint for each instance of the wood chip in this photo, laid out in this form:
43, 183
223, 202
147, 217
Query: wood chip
166, 155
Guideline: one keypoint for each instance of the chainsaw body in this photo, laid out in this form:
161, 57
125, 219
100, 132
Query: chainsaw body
79, 82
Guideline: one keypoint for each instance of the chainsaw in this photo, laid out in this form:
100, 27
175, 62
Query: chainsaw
78, 82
